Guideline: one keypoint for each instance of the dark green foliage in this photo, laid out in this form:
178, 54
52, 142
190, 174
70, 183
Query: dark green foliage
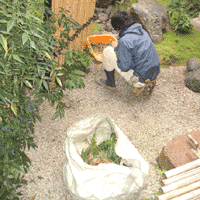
182, 24
193, 8
25, 45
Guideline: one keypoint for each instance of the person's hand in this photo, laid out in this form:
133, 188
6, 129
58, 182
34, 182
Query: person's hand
114, 44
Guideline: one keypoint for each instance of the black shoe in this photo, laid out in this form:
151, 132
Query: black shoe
109, 83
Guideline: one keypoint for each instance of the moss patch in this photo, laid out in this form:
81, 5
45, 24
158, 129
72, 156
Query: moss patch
176, 50
97, 28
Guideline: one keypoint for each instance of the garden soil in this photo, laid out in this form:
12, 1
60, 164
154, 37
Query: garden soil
149, 123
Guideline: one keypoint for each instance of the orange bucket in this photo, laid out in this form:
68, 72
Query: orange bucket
97, 39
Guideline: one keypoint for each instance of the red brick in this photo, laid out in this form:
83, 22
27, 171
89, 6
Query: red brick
178, 152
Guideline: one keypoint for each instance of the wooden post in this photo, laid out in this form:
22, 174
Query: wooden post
82, 11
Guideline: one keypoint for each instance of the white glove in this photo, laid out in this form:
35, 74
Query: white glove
114, 44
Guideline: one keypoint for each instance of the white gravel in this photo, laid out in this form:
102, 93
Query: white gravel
171, 111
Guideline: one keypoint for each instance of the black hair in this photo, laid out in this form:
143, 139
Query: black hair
121, 19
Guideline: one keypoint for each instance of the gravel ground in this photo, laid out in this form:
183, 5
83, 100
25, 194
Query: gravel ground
171, 111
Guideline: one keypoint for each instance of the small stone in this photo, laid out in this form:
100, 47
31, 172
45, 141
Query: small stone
97, 21
103, 17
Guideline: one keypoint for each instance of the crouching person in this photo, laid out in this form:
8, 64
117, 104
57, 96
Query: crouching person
135, 54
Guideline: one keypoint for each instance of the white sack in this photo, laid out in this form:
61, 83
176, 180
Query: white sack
105, 181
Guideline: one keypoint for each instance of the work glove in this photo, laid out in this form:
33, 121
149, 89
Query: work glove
114, 44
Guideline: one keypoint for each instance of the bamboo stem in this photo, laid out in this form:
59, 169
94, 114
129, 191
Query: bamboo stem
180, 183
181, 176
188, 196
179, 191
182, 168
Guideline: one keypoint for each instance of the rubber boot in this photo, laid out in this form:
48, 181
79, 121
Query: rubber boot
110, 82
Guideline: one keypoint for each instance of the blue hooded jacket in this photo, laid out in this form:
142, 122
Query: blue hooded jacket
136, 51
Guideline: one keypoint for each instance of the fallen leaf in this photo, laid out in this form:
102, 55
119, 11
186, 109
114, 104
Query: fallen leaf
97, 160
90, 158
107, 161
40, 177
33, 198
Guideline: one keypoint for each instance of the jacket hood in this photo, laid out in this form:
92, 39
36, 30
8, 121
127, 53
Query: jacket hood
133, 28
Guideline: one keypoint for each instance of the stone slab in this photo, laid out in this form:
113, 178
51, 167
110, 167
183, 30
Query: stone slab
178, 152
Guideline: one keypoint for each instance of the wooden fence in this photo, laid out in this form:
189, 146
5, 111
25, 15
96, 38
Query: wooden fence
82, 11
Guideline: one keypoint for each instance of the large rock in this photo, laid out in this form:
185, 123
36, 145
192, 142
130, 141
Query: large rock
196, 23
192, 79
153, 17
102, 16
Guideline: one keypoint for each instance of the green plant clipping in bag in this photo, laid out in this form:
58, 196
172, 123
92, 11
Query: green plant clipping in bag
103, 153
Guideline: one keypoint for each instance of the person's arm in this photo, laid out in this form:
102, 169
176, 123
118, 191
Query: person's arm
124, 58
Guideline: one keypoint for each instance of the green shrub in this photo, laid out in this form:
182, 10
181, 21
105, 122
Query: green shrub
192, 8
181, 24
26, 49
